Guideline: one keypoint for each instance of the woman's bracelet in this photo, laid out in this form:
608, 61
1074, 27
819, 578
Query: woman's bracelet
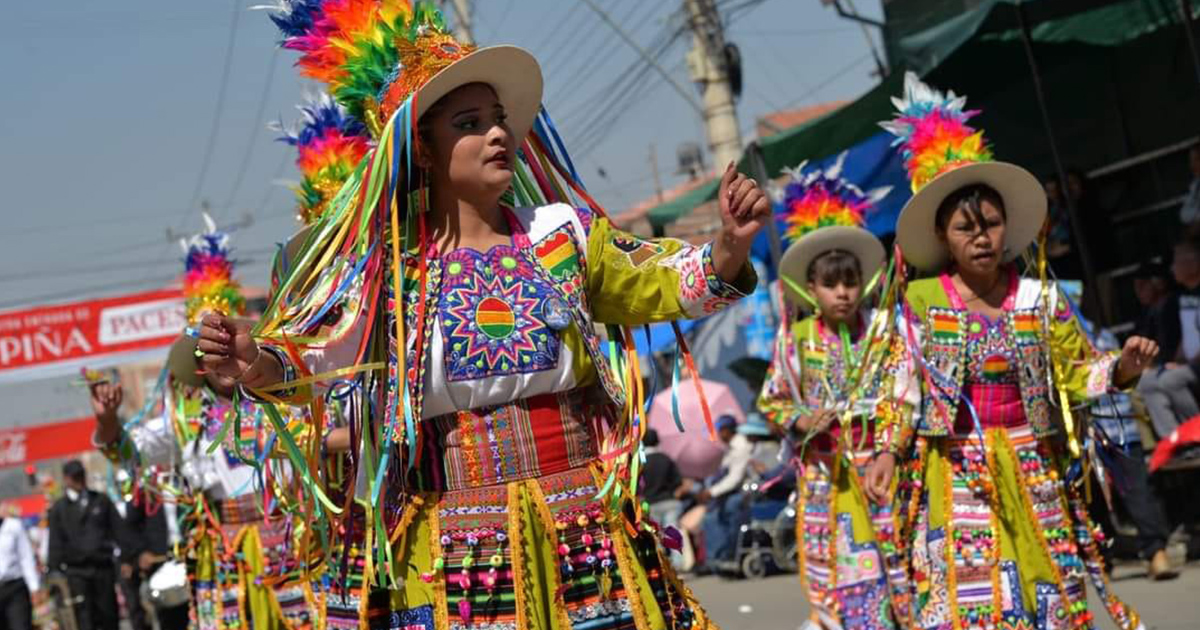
250, 366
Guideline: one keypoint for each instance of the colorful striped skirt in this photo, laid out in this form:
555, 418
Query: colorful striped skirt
509, 534
243, 573
998, 541
850, 564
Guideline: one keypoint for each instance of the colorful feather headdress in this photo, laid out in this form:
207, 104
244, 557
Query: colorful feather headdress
208, 284
822, 198
932, 132
330, 144
371, 54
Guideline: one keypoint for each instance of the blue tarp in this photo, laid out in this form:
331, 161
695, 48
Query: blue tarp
870, 164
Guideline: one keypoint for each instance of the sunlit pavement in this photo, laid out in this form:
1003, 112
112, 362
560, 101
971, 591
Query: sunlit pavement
776, 603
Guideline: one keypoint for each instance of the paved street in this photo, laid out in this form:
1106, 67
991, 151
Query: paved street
776, 603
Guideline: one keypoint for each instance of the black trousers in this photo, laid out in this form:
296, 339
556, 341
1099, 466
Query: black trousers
131, 590
16, 608
1142, 505
95, 590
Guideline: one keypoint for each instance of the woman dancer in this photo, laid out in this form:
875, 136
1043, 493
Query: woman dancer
1000, 537
206, 452
499, 438
835, 387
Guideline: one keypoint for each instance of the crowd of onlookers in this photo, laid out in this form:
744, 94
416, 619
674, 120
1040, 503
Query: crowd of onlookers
712, 512
97, 553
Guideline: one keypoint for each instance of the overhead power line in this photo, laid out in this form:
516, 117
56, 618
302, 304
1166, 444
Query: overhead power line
258, 123
218, 111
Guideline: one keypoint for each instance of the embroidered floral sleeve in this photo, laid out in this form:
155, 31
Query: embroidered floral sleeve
633, 280
778, 401
1084, 371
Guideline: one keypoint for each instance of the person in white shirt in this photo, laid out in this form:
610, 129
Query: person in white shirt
725, 512
18, 576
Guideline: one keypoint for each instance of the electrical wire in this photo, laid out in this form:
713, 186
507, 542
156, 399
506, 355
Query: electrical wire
592, 63
90, 291
218, 111
257, 122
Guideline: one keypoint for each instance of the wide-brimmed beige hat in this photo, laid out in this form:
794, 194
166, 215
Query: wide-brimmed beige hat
1024, 210
510, 70
822, 212
855, 240
943, 154
181, 362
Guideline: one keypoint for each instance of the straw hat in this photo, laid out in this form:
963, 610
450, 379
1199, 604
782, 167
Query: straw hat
943, 154
823, 212
377, 57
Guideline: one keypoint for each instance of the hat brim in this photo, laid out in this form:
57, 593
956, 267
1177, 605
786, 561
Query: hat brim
181, 361
512, 71
1024, 209
858, 242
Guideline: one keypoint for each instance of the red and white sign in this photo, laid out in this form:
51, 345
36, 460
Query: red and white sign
23, 445
50, 341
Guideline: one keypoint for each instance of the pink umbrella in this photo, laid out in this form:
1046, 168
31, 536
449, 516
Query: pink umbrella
696, 455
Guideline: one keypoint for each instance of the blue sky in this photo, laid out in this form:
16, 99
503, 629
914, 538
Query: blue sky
107, 112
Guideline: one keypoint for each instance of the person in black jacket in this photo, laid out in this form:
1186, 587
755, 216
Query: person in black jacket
141, 544
83, 526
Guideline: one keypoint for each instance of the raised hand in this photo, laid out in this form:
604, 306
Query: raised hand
106, 400
1136, 356
745, 208
226, 347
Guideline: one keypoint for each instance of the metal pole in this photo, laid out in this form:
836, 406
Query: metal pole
1072, 211
709, 71
1185, 11
758, 170
658, 192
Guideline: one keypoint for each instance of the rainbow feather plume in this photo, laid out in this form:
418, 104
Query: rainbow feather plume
932, 132
208, 284
822, 198
330, 143
371, 54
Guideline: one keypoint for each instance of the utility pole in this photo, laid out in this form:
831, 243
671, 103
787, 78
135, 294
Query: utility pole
658, 195
462, 20
709, 70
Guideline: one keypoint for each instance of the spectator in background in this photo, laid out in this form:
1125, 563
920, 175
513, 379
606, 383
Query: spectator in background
663, 487
141, 537
83, 526
726, 511
1189, 213
18, 575
1155, 292
1114, 425
1169, 388
1062, 246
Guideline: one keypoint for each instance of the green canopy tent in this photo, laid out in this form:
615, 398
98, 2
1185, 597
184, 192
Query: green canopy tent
1100, 82
1120, 61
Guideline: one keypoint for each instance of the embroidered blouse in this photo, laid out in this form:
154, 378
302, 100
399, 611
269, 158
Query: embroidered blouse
180, 439
521, 319
954, 344
809, 372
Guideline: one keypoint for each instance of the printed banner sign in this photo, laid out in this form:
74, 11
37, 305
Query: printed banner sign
49, 341
22, 445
